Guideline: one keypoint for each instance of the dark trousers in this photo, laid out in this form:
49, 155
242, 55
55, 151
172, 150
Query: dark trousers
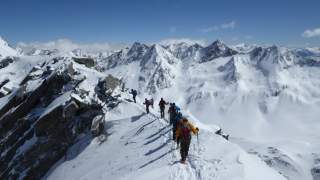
184, 148
147, 109
134, 99
174, 129
162, 112
171, 118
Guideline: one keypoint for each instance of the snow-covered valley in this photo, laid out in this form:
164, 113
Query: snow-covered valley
266, 98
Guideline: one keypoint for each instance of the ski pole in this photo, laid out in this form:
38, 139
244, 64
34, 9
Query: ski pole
198, 142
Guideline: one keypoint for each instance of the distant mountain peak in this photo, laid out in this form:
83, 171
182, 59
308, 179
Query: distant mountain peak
215, 50
157, 48
182, 41
6, 49
137, 46
217, 42
3, 42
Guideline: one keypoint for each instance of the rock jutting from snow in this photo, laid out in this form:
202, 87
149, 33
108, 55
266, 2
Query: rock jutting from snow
41, 122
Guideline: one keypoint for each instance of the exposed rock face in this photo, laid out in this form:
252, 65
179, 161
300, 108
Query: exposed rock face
97, 126
70, 110
106, 88
6, 61
3, 92
157, 69
230, 70
215, 50
184, 50
136, 52
88, 62
279, 161
4, 82
38, 126
125, 56
315, 171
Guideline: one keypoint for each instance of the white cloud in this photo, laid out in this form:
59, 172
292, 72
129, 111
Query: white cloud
210, 29
66, 45
185, 40
173, 29
229, 25
311, 33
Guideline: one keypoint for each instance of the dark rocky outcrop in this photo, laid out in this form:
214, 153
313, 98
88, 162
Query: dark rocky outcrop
183, 50
310, 62
6, 61
136, 52
230, 71
215, 50
4, 82
106, 88
3, 92
315, 170
97, 127
124, 56
88, 62
38, 127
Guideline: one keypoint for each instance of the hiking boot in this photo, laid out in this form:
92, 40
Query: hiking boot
183, 162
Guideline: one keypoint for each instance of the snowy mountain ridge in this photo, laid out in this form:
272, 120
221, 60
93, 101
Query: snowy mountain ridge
251, 90
253, 93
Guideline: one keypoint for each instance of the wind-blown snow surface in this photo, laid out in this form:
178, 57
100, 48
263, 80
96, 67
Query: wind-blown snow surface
266, 98
139, 146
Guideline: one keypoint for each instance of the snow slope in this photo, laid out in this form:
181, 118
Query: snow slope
17, 71
266, 98
254, 95
139, 146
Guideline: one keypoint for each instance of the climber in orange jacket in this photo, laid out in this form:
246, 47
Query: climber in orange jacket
183, 134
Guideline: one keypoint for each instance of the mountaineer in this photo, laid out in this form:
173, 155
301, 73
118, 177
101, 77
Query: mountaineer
134, 94
183, 133
162, 105
147, 104
174, 116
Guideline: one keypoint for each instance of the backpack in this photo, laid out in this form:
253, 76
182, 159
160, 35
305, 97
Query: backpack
185, 131
177, 109
134, 92
172, 109
178, 117
162, 103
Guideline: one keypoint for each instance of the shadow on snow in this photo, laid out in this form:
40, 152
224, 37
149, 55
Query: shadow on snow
154, 160
136, 118
157, 137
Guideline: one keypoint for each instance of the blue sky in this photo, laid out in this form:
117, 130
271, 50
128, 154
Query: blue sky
253, 21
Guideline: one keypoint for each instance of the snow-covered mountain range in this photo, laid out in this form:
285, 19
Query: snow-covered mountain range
266, 97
